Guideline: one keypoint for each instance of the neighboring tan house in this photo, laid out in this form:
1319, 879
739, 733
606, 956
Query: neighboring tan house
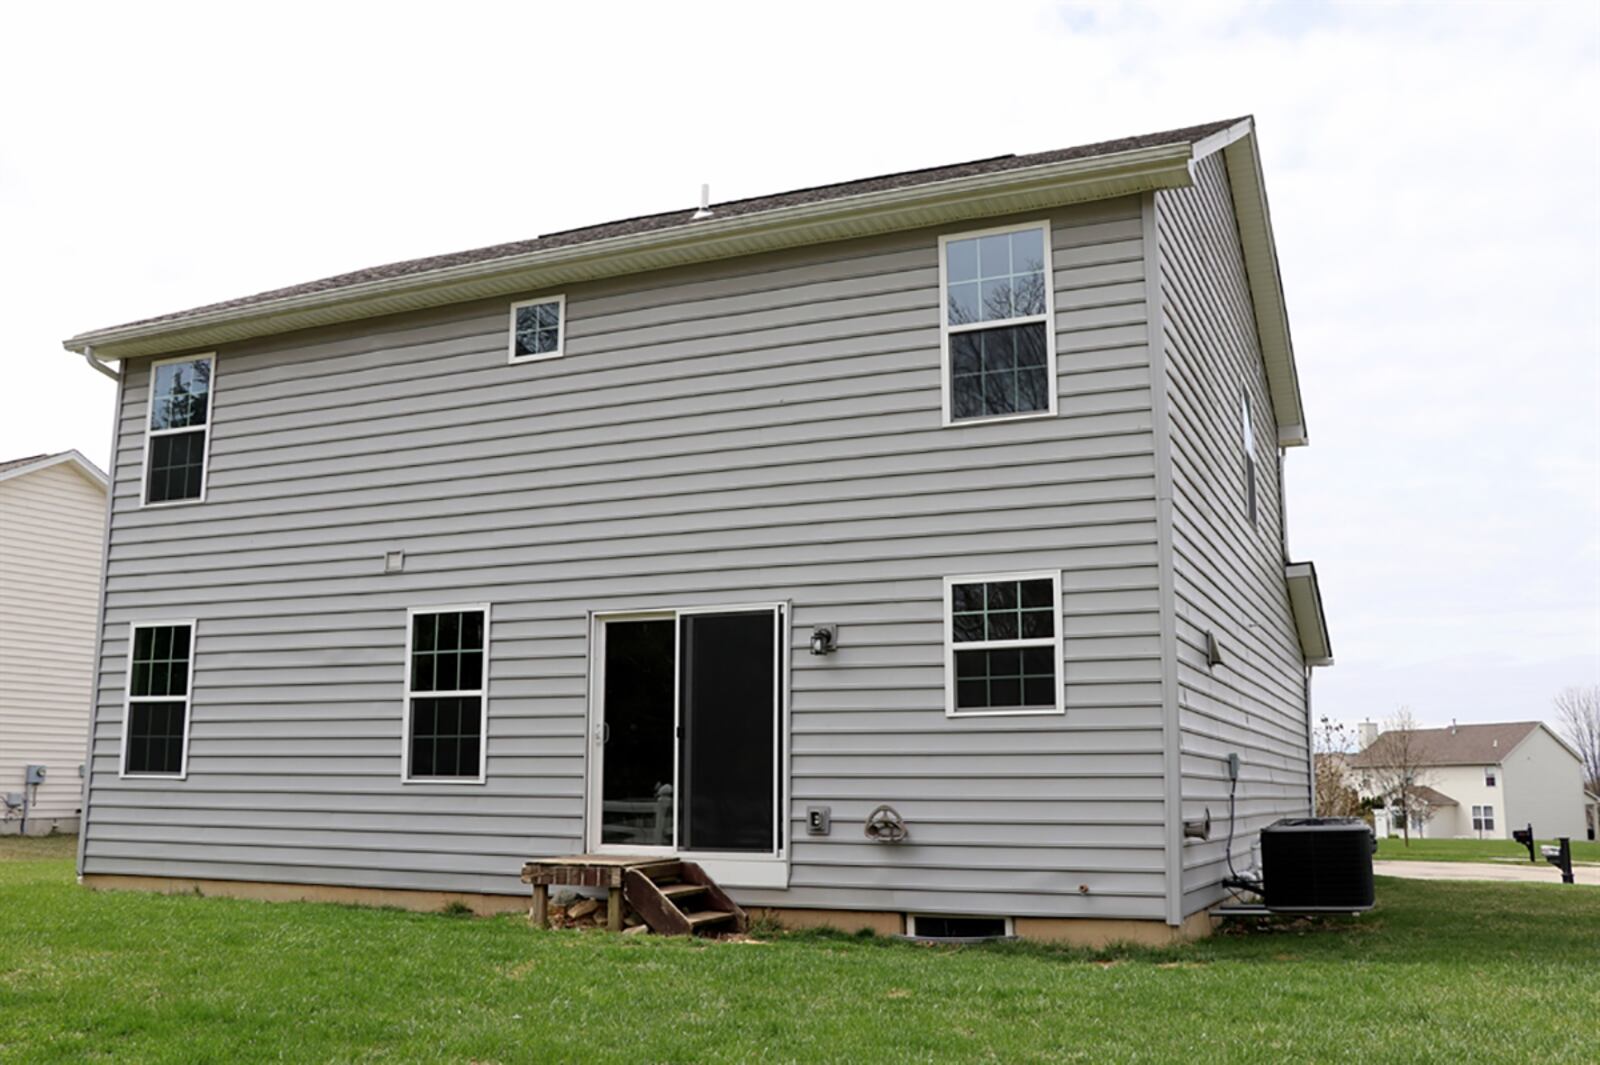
1481, 781
52, 525
708, 533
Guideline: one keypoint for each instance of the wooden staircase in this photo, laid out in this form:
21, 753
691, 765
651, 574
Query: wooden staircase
674, 897
677, 898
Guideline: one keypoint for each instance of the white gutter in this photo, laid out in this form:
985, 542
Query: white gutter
88, 357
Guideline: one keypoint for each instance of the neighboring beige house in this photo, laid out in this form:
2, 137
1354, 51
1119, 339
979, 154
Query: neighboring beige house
52, 525
1482, 781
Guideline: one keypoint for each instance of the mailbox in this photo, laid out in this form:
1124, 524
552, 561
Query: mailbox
1560, 856
1524, 836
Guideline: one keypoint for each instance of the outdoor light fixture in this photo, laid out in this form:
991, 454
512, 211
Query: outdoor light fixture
824, 638
1213, 650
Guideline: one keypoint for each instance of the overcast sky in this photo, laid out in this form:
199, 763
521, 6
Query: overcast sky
1434, 174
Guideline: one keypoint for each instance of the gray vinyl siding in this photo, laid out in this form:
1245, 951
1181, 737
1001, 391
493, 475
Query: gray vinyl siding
1228, 575
756, 430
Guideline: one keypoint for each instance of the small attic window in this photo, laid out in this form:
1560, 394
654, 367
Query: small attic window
538, 328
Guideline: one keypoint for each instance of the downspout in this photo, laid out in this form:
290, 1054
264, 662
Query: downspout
88, 357
100, 608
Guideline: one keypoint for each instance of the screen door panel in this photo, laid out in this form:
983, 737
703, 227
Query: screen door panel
728, 672
636, 801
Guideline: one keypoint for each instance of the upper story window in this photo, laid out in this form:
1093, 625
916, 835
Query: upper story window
177, 435
1490, 777
1247, 444
1003, 644
155, 719
999, 341
538, 328
446, 707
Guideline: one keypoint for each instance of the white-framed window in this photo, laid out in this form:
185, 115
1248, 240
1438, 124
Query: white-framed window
155, 712
1483, 819
538, 328
1002, 650
997, 324
177, 435
447, 702
1491, 778
1247, 446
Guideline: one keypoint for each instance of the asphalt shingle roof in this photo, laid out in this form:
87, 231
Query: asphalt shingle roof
11, 464
1456, 745
731, 208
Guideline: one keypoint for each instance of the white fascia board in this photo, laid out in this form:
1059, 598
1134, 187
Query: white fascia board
1239, 149
959, 199
89, 470
1305, 603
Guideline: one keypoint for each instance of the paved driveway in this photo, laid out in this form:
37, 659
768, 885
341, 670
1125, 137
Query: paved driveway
1526, 872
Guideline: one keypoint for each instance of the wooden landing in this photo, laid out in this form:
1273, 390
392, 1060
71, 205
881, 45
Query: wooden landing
674, 897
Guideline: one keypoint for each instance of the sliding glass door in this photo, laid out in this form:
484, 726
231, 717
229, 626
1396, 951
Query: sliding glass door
689, 732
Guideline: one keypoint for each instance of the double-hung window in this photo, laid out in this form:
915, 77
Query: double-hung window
1003, 644
1489, 777
155, 719
177, 433
538, 328
996, 323
446, 702
1483, 819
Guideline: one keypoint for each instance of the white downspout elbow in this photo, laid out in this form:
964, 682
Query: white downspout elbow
88, 357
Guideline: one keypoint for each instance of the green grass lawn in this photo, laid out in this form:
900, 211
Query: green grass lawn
1449, 972
1474, 850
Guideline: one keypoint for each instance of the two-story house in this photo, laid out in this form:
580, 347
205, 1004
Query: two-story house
1477, 781
957, 491
52, 527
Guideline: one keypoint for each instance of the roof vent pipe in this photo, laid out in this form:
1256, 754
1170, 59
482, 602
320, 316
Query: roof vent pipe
705, 204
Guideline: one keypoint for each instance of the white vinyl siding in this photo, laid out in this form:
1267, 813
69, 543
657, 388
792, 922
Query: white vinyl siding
52, 521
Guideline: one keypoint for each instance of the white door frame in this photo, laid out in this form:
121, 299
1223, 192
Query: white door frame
732, 868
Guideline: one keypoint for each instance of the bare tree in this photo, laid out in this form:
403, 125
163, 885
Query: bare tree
1330, 744
1578, 716
1399, 771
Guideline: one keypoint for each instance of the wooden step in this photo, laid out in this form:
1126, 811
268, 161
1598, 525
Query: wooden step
707, 917
682, 891
659, 891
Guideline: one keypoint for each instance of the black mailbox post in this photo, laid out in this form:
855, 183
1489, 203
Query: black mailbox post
1561, 858
1524, 836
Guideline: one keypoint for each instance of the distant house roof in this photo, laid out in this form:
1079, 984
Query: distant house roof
27, 460
33, 463
1456, 745
1431, 797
